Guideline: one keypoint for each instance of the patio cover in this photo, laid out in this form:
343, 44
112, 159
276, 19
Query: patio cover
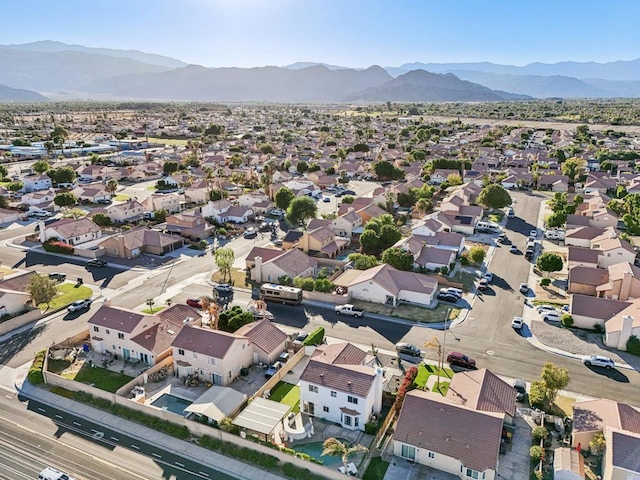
217, 403
262, 415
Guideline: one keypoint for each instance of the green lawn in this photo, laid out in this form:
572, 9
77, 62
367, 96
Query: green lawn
121, 197
152, 188
101, 378
411, 312
465, 278
167, 141
426, 370
376, 469
148, 311
67, 294
288, 394
442, 388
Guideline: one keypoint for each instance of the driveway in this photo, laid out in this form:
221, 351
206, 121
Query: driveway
515, 463
400, 469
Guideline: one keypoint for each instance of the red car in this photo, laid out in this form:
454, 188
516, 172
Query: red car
461, 360
194, 302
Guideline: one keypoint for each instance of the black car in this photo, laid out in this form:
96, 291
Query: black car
264, 227
57, 276
447, 297
96, 262
520, 387
349, 192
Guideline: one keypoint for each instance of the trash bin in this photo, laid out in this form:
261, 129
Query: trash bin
79, 281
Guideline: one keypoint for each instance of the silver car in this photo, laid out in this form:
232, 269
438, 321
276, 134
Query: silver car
598, 361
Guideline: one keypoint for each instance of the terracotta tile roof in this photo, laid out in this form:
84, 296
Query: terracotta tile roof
583, 254
178, 313
265, 253
318, 222
584, 232
436, 256
69, 227
353, 379
394, 280
159, 337
294, 262
18, 283
119, 319
339, 353
432, 422
594, 415
588, 276
482, 390
264, 335
624, 451
213, 343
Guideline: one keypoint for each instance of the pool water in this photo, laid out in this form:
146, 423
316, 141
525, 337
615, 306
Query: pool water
171, 403
315, 450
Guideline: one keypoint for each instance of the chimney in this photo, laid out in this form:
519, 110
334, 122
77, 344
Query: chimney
625, 332
256, 273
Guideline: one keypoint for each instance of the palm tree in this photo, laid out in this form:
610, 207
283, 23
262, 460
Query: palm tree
151, 302
435, 343
112, 186
334, 447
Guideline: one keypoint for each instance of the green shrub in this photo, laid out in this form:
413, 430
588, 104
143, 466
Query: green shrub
35, 376
633, 345
545, 282
539, 433
535, 453
371, 428
567, 320
598, 328
315, 338
536, 475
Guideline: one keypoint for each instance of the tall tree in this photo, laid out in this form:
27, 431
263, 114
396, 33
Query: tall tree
284, 196
549, 262
65, 199
112, 186
554, 379
40, 166
333, 446
301, 209
398, 258
224, 258
494, 196
42, 289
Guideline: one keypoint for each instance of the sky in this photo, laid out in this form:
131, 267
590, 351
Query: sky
353, 33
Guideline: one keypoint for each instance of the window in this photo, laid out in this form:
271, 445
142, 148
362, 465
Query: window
212, 360
432, 455
408, 452
313, 388
180, 351
356, 421
325, 409
334, 394
108, 332
195, 355
346, 419
96, 329
121, 336
351, 399
472, 473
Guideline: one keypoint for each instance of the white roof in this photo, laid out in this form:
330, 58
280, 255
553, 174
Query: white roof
262, 415
217, 403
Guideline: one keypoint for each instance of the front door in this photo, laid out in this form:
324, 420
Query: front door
217, 379
145, 358
126, 353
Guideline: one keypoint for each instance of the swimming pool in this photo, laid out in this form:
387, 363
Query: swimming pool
171, 403
315, 450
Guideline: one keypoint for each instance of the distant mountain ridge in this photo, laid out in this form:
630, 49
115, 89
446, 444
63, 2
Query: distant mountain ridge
8, 94
49, 46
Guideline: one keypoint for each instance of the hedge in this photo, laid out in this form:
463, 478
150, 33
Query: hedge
57, 246
35, 375
316, 337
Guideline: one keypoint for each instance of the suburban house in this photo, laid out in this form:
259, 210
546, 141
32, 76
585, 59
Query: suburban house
441, 175
213, 356
216, 210
462, 219
433, 430
237, 214
416, 243
588, 311
621, 459
137, 336
131, 211
621, 326
582, 236
614, 250
348, 224
72, 231
40, 198
618, 282
593, 416
37, 183
387, 285
91, 173
268, 265
582, 257
171, 202
341, 385
14, 297
9, 216
190, 224
91, 193
135, 242
321, 242
428, 226
267, 339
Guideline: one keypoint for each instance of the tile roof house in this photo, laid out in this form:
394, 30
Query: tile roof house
292, 263
127, 212
622, 324
614, 250
341, 385
582, 236
586, 280
592, 416
135, 242
588, 311
37, 183
72, 231
137, 336
434, 431
621, 458
322, 242
171, 202
91, 193
268, 340
190, 224
623, 282
212, 355
14, 297
582, 257
387, 285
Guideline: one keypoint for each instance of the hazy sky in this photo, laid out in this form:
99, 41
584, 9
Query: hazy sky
356, 33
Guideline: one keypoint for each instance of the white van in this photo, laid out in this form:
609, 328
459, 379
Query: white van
487, 227
53, 474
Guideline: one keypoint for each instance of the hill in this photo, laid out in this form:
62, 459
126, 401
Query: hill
8, 94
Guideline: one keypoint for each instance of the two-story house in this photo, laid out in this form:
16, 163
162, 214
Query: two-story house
189, 224
127, 212
217, 210
212, 355
91, 193
72, 231
37, 183
171, 202
268, 265
322, 242
268, 340
347, 225
341, 385
135, 242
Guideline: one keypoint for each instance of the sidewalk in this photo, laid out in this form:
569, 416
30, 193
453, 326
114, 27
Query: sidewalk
205, 457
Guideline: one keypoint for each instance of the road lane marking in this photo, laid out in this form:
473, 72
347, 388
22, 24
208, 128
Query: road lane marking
203, 473
179, 464
156, 455
77, 424
135, 446
115, 439
58, 416
41, 409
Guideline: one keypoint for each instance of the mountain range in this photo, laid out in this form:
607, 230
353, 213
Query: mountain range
8, 94
59, 70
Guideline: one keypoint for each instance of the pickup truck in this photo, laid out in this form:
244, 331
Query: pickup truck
348, 309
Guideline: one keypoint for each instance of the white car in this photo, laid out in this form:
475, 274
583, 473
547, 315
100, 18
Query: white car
598, 361
545, 308
552, 316
533, 233
79, 305
488, 276
517, 323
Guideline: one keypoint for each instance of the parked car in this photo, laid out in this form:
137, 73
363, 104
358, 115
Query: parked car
488, 276
447, 297
511, 213
96, 262
483, 284
105, 201
461, 360
552, 316
300, 337
545, 308
524, 288
517, 323
271, 371
79, 305
223, 287
348, 309
533, 233
408, 349
194, 302
349, 192
59, 277
40, 214
513, 249
598, 361
520, 386
326, 199
277, 242
251, 233
264, 227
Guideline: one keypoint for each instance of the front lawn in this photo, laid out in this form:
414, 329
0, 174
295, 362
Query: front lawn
467, 279
121, 197
238, 278
67, 294
411, 312
376, 469
288, 394
100, 378
152, 311
426, 370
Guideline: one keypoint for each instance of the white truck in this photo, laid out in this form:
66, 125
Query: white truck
348, 309
53, 474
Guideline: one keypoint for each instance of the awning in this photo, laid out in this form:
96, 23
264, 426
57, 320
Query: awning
217, 403
262, 415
